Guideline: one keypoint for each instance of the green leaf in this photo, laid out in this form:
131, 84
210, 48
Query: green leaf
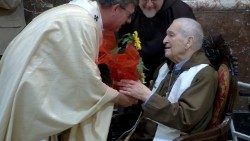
115, 50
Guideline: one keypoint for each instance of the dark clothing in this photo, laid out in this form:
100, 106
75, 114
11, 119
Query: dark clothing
153, 30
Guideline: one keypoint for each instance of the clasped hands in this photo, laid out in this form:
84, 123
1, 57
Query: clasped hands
130, 92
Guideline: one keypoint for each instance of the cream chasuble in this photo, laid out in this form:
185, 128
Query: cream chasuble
49, 81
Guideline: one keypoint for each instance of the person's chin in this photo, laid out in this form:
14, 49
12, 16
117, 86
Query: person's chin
149, 13
167, 54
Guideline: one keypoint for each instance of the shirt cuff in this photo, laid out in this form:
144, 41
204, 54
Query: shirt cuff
143, 104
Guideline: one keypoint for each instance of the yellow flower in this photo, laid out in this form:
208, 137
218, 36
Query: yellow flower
137, 42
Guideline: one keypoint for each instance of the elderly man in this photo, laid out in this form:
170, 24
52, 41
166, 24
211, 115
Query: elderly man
49, 81
181, 99
151, 20
11, 21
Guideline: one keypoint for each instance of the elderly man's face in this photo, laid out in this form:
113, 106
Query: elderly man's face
150, 7
175, 43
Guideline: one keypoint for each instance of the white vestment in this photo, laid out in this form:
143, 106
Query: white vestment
49, 81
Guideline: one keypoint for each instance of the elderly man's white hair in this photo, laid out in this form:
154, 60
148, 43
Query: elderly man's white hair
190, 27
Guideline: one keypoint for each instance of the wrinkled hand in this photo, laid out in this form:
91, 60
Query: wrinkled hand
134, 88
125, 100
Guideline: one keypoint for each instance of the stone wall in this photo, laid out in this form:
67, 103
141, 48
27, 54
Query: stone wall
234, 25
35, 7
231, 18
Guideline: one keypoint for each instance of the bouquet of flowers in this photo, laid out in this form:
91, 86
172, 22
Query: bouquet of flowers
123, 62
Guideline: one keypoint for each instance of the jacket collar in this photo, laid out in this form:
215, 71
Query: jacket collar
197, 58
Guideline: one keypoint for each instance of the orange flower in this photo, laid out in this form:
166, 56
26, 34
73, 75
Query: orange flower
123, 63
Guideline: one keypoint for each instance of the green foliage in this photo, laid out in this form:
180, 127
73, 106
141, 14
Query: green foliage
125, 39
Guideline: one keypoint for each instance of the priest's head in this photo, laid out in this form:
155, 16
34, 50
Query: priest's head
184, 37
115, 13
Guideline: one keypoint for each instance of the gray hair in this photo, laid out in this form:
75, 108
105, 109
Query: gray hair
122, 3
190, 27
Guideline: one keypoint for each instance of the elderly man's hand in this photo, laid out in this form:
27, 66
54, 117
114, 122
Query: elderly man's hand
134, 88
125, 100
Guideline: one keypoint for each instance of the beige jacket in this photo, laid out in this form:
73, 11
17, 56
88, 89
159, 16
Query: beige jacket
11, 21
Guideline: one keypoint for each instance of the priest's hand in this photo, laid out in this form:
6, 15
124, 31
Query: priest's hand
134, 89
125, 100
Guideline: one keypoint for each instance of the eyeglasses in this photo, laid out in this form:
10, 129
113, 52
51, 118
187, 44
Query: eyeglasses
130, 14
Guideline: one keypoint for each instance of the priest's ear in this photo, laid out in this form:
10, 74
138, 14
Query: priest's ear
115, 8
